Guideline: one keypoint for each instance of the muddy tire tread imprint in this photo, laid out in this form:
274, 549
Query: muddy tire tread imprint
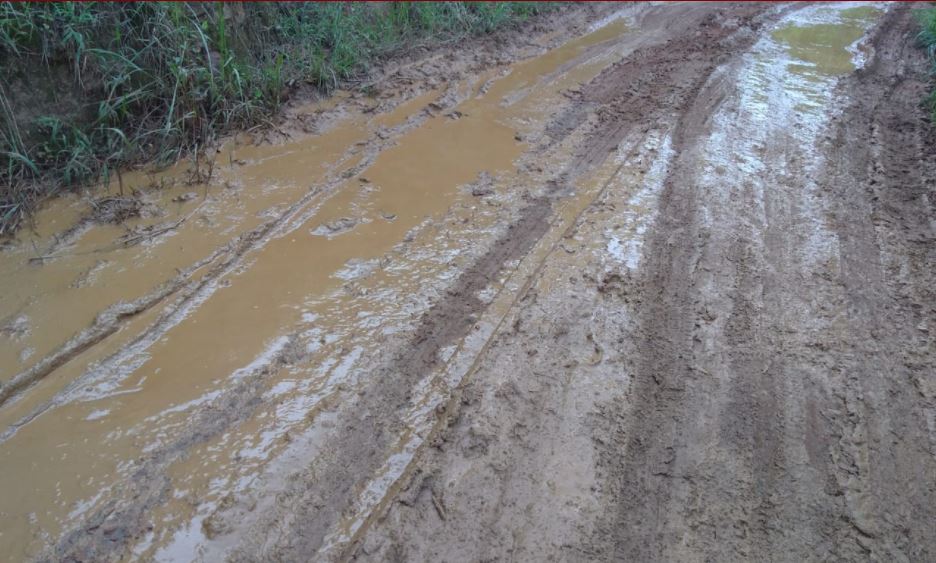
324, 485
662, 83
111, 531
754, 382
817, 441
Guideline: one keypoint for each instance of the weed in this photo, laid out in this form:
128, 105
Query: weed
927, 37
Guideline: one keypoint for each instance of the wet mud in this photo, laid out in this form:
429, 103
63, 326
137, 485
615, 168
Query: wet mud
635, 282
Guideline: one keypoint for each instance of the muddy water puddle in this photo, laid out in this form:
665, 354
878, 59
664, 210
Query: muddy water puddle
786, 96
60, 294
347, 260
826, 48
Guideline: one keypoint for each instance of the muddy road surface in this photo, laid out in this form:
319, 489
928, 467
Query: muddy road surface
633, 283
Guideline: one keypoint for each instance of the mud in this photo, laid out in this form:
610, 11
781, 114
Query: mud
636, 282
720, 396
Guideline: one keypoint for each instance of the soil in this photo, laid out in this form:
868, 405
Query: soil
636, 282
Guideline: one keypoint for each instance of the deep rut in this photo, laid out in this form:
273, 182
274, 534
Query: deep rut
764, 388
665, 293
793, 430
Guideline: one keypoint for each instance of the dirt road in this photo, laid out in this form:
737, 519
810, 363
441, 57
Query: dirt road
638, 282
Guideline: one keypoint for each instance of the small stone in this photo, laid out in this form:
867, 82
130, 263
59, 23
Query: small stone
336, 227
187, 196
483, 186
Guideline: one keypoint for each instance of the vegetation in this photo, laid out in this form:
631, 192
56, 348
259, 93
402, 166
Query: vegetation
927, 36
86, 88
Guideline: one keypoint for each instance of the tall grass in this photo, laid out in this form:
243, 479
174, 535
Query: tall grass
153, 80
927, 37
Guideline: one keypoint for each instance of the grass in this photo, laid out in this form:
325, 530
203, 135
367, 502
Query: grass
927, 37
88, 88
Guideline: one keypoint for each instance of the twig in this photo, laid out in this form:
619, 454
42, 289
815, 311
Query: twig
152, 234
155, 233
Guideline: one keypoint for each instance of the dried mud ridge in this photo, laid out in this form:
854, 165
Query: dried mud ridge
756, 381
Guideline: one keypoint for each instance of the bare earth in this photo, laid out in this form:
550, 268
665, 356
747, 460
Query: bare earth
633, 283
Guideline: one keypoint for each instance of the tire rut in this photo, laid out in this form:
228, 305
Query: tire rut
793, 449
668, 80
764, 378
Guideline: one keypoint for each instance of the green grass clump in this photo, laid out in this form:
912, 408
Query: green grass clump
133, 82
927, 37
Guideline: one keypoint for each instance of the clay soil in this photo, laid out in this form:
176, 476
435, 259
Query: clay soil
633, 283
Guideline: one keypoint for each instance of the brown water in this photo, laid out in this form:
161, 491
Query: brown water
824, 47
350, 233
